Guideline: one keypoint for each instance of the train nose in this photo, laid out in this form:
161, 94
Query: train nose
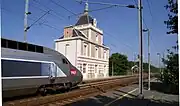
80, 75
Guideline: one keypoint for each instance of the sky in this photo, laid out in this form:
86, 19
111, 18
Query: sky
119, 24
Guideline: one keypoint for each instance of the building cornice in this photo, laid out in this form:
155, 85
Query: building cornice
81, 38
92, 58
70, 26
66, 39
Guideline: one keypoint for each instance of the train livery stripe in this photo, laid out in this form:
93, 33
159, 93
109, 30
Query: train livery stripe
16, 59
27, 77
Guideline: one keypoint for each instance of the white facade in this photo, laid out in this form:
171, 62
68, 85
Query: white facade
69, 49
91, 67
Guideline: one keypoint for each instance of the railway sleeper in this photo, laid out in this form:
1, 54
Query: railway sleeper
99, 88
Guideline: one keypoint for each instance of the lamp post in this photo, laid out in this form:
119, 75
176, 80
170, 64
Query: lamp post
112, 69
149, 67
159, 62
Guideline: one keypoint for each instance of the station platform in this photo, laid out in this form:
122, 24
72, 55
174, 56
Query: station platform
128, 96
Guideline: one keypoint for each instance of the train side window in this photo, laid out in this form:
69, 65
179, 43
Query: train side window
12, 44
64, 61
3, 43
31, 47
22, 46
39, 49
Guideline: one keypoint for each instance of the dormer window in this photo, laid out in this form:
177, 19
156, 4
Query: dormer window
96, 37
104, 54
85, 49
94, 22
96, 52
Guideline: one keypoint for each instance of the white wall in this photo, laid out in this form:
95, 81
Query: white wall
78, 47
95, 62
71, 50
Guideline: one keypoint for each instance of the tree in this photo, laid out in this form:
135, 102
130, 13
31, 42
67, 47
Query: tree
120, 64
170, 74
153, 68
172, 22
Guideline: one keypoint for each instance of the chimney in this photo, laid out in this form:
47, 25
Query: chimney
68, 32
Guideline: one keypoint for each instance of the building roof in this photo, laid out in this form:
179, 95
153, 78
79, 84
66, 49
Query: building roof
75, 33
84, 19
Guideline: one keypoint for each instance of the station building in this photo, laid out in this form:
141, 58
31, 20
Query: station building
83, 45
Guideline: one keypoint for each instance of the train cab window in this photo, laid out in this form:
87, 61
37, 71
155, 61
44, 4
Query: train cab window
3, 43
64, 61
22, 46
12, 44
31, 47
39, 49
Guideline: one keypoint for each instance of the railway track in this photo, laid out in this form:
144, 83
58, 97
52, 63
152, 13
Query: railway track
83, 92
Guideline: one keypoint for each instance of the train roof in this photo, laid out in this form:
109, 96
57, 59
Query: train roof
28, 47
28, 51
13, 44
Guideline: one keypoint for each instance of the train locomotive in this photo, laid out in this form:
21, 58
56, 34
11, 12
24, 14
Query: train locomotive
29, 69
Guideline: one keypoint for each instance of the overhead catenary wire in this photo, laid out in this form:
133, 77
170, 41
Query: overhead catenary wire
63, 7
146, 28
59, 29
102, 3
152, 18
49, 9
60, 18
36, 20
111, 5
50, 26
98, 9
92, 11
149, 8
112, 36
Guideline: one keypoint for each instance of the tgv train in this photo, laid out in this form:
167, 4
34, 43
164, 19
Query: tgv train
28, 69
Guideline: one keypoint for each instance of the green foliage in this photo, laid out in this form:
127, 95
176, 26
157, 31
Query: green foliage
172, 22
131, 64
120, 64
153, 68
170, 75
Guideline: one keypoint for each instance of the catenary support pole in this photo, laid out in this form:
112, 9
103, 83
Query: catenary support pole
112, 69
25, 20
149, 67
140, 50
